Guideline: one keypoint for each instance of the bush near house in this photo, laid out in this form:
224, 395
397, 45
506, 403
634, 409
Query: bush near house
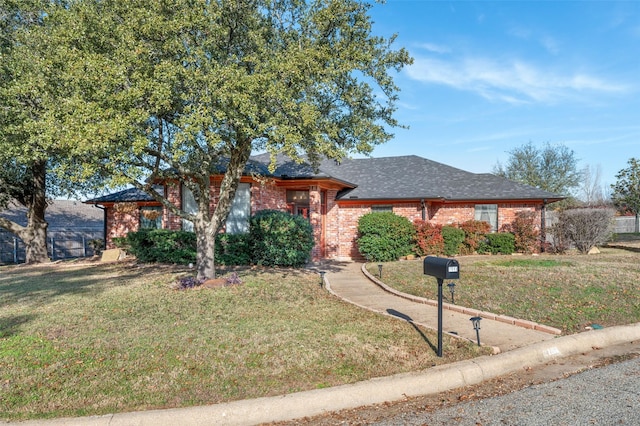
527, 237
275, 238
279, 238
428, 238
160, 246
453, 239
384, 236
475, 232
499, 243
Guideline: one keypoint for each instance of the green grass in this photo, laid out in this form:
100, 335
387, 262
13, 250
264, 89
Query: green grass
93, 339
569, 291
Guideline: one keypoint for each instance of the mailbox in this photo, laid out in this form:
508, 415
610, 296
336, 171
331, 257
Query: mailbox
442, 268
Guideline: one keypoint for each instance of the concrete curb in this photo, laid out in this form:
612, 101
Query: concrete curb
461, 309
374, 391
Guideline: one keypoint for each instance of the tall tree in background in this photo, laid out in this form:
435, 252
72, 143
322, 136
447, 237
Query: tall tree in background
592, 193
178, 89
552, 168
23, 161
33, 165
626, 190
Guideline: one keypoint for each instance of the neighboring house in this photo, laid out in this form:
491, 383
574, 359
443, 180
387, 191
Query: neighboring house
336, 195
71, 227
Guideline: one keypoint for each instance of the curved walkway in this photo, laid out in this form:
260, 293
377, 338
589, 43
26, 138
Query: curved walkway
352, 283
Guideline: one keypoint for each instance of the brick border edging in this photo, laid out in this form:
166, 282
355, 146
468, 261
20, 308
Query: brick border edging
463, 310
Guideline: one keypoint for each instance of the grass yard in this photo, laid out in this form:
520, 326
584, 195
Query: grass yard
88, 339
569, 292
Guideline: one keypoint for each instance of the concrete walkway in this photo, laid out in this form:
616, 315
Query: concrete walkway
351, 282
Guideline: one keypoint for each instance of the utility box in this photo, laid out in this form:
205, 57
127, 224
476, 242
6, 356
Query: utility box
441, 268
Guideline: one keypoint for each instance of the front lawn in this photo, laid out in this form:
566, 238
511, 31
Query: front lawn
89, 339
569, 292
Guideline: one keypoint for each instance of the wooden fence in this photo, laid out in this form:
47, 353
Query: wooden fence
60, 245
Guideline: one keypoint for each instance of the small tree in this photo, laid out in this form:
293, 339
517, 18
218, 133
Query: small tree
584, 228
384, 236
626, 190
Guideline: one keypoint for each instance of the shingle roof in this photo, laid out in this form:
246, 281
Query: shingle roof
126, 195
411, 177
388, 178
61, 214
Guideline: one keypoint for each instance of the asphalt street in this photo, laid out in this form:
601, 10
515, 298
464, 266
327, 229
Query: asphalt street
607, 395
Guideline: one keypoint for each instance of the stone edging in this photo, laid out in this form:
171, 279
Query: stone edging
461, 309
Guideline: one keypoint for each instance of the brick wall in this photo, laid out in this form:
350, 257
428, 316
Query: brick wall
120, 223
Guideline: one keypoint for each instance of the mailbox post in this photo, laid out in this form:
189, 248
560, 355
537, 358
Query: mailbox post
442, 269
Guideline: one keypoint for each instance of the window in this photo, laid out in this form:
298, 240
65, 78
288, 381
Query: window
298, 203
382, 208
150, 217
189, 205
488, 213
238, 219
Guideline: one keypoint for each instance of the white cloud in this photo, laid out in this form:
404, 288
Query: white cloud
510, 81
435, 48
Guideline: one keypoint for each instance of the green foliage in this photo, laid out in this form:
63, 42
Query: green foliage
384, 236
188, 86
500, 243
233, 249
626, 190
474, 235
453, 239
525, 233
279, 238
428, 238
160, 245
552, 168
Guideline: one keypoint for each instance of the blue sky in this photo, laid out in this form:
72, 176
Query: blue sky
491, 76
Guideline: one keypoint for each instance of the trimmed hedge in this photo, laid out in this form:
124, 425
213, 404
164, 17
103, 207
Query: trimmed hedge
279, 238
501, 243
384, 236
275, 238
453, 239
160, 246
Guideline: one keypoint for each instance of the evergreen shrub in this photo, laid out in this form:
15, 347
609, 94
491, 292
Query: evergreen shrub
453, 239
384, 236
279, 238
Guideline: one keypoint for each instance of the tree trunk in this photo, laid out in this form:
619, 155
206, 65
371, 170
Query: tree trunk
34, 235
36, 245
205, 250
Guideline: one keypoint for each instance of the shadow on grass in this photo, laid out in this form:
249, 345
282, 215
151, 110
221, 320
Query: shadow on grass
408, 319
10, 326
45, 283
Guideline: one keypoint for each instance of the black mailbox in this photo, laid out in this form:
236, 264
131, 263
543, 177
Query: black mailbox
442, 268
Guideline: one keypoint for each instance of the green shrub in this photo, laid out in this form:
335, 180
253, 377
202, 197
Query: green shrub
160, 245
428, 238
453, 239
384, 236
279, 238
500, 243
233, 249
475, 232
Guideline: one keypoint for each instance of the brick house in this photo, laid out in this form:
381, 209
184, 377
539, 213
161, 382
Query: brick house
334, 197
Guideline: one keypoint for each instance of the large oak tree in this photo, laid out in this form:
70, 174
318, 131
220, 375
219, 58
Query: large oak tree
175, 89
